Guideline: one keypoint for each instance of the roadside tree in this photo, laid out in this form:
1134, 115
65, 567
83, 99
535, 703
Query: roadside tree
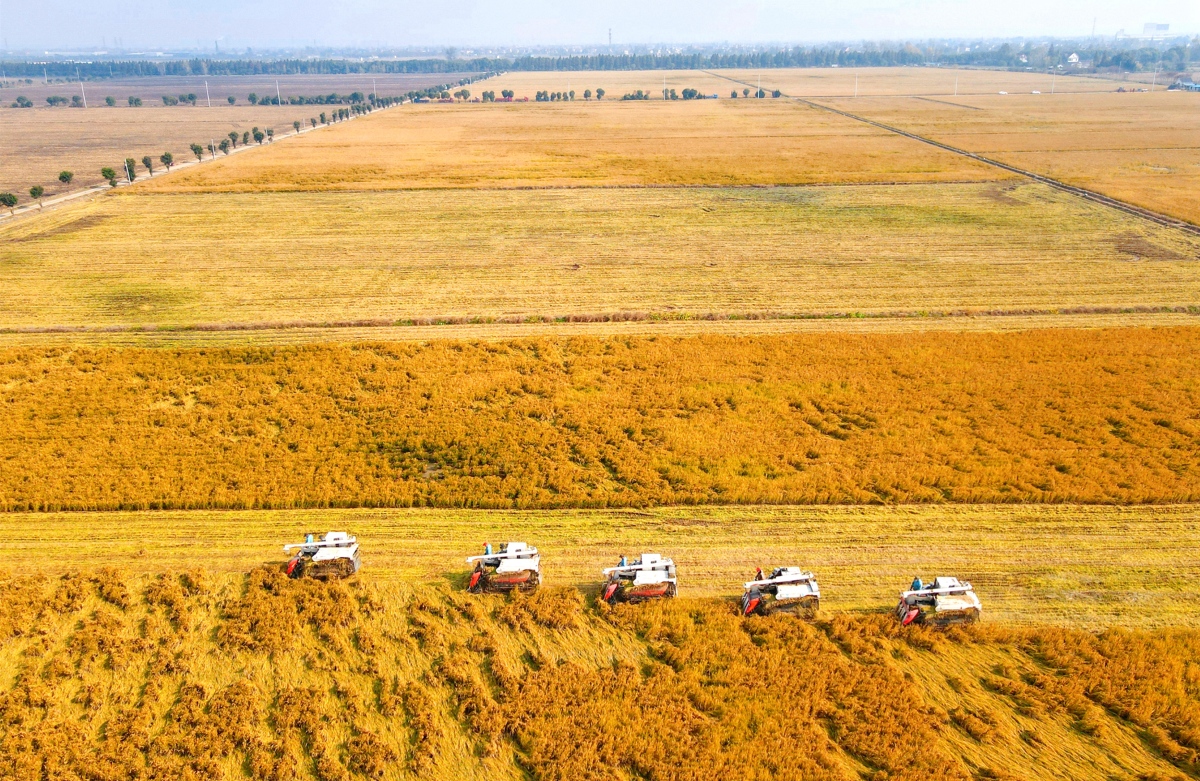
198, 151
8, 201
167, 159
65, 177
36, 192
148, 161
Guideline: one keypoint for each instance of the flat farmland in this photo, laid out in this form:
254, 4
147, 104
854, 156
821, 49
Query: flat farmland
41, 142
839, 82
151, 88
584, 145
614, 83
796, 82
313, 258
1140, 148
1087, 567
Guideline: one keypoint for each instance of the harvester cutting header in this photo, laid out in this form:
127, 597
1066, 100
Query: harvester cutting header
942, 602
786, 589
516, 566
650, 577
333, 556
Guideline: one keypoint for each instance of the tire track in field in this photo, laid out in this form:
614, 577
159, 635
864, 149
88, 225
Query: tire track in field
1081, 192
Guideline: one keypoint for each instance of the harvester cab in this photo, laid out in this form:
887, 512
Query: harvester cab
786, 589
650, 577
943, 602
515, 566
332, 556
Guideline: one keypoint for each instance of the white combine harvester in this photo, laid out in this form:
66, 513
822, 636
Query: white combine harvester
650, 577
944, 601
515, 566
333, 556
786, 589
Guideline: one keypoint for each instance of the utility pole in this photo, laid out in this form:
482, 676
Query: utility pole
956, 84
206, 95
856, 84
610, 38
278, 100
212, 145
374, 90
82, 92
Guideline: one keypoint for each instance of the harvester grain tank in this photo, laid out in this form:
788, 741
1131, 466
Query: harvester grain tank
785, 590
943, 602
650, 577
332, 556
515, 566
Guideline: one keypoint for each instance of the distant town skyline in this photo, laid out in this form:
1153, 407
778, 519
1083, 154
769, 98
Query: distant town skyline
235, 26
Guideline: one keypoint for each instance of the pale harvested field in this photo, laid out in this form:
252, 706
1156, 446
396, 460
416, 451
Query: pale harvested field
324, 257
828, 82
584, 144
614, 83
797, 82
1140, 148
1067, 565
40, 142
151, 88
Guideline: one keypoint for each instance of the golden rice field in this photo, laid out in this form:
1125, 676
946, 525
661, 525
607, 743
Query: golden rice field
673, 254
110, 674
1090, 416
583, 144
1140, 148
1077, 566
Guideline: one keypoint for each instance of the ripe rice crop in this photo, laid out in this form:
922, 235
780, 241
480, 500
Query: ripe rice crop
254, 676
589, 254
583, 145
1052, 416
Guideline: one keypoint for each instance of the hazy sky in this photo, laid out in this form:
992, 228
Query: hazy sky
266, 23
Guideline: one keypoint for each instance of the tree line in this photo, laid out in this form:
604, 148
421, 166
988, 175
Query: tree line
1103, 56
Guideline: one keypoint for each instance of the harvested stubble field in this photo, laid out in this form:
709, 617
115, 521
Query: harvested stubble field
584, 144
1075, 566
107, 674
835, 82
41, 142
1050, 416
151, 88
804, 82
219, 261
1140, 148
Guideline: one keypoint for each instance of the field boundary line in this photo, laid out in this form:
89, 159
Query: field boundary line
947, 103
598, 318
1081, 192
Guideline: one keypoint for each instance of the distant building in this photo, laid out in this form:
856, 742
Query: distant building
1187, 86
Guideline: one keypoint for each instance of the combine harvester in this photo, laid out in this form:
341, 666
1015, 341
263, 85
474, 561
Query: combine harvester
332, 557
650, 577
785, 590
943, 602
515, 566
